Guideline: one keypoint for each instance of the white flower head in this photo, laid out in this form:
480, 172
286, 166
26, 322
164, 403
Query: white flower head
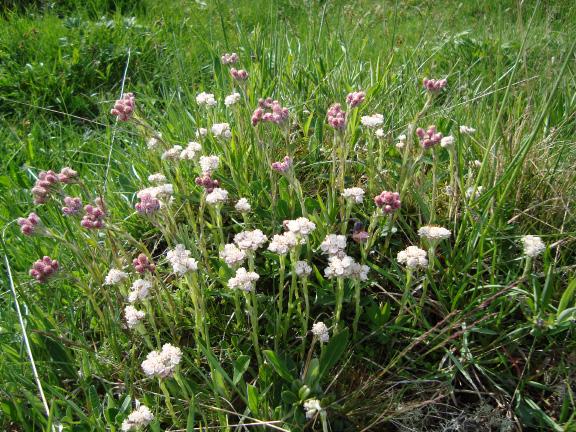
250, 240
244, 280
221, 130
243, 206
232, 255
372, 121
139, 290
114, 277
208, 164
320, 330
180, 259
133, 316
206, 99
401, 141
302, 269
162, 363
447, 141
161, 191
471, 192
434, 233
152, 143
137, 419
284, 243
191, 151
232, 99
300, 226
355, 195
311, 407
333, 244
379, 133
173, 153
413, 257
157, 178
217, 196
533, 245
467, 130
201, 132
339, 267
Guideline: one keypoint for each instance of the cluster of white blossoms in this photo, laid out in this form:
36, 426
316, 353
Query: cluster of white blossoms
243, 206
284, 243
157, 178
333, 244
354, 194
401, 141
206, 99
301, 227
162, 363
320, 330
208, 164
137, 419
467, 130
311, 407
201, 132
244, 280
232, 99
250, 240
434, 233
191, 151
345, 267
413, 257
133, 316
302, 269
474, 192
372, 121
172, 153
180, 260
221, 130
533, 245
447, 141
379, 133
139, 290
114, 277
217, 196
153, 143
232, 255
160, 191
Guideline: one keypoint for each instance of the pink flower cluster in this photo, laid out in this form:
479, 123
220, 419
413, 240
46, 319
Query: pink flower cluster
67, 175
433, 85
227, 59
355, 98
430, 137
336, 116
282, 166
124, 108
44, 268
28, 225
44, 185
147, 205
72, 207
207, 182
389, 202
239, 75
94, 217
269, 111
142, 264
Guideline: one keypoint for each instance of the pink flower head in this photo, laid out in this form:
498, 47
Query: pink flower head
67, 175
207, 182
433, 85
389, 202
28, 225
147, 205
355, 98
336, 116
282, 166
72, 207
94, 217
269, 111
44, 186
124, 108
239, 75
430, 137
142, 264
228, 59
44, 268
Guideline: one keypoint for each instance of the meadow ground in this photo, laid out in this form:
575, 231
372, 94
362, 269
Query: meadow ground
167, 309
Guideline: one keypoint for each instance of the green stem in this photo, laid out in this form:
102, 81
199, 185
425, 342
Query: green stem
357, 288
339, 301
279, 325
405, 295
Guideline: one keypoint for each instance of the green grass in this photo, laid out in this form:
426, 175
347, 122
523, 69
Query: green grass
487, 348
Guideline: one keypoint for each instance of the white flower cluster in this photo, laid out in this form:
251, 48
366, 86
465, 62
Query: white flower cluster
139, 290
311, 407
447, 141
474, 192
434, 233
157, 178
333, 244
284, 243
232, 99
180, 259
345, 267
201, 132
206, 99
243, 206
413, 257
533, 245
209, 164
114, 277
300, 227
191, 151
467, 130
320, 330
401, 141
153, 143
221, 130
160, 191
354, 194
163, 363
379, 133
250, 240
302, 269
138, 419
133, 316
232, 255
173, 153
217, 196
244, 280
372, 121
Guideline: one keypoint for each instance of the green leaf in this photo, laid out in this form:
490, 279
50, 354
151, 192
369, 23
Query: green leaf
279, 365
566, 297
252, 398
332, 353
312, 373
240, 366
